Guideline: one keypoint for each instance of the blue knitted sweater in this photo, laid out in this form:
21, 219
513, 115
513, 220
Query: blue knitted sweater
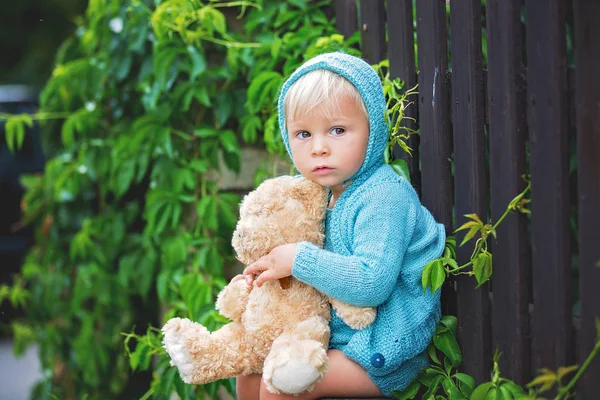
378, 239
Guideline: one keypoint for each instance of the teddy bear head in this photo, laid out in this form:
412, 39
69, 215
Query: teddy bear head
281, 210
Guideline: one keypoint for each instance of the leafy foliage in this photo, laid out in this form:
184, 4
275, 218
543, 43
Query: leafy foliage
443, 381
149, 102
480, 263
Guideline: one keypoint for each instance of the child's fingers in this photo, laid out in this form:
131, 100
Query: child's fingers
264, 277
257, 267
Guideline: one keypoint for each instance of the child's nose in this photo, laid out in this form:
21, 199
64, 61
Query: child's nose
320, 146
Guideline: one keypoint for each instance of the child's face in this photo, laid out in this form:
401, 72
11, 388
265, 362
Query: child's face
330, 151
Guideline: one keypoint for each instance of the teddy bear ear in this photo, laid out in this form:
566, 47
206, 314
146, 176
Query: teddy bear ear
311, 194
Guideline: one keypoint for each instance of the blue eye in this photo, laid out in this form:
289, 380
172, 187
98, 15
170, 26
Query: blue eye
303, 135
338, 131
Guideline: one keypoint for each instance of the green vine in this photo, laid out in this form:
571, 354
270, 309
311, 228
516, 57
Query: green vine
148, 106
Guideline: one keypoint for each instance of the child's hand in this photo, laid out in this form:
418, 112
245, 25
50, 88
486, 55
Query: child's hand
275, 265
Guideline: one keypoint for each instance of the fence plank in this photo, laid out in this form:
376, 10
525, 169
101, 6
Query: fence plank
587, 57
401, 51
507, 132
346, 17
470, 177
435, 129
546, 97
372, 28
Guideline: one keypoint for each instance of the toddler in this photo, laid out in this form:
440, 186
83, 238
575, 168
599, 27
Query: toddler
378, 237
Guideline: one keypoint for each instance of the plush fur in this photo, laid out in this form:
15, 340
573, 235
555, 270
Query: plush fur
281, 333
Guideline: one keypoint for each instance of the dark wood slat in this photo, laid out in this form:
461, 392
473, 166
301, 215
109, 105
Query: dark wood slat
470, 178
434, 110
401, 51
372, 28
434, 121
346, 17
507, 133
587, 81
547, 108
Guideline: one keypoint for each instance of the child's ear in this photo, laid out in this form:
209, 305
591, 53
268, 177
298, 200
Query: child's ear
312, 195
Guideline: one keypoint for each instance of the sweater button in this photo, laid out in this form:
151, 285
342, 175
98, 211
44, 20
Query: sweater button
377, 360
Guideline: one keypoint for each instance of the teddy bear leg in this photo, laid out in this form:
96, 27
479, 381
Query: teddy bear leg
298, 359
355, 317
201, 356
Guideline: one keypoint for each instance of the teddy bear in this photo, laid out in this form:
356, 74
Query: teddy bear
281, 328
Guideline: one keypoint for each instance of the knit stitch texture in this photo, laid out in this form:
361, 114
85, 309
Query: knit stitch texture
378, 239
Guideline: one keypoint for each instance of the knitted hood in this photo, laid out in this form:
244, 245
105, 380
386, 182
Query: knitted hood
366, 80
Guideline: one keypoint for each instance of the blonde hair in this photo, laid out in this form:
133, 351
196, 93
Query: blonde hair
316, 88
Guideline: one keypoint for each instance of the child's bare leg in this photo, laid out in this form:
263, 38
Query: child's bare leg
344, 378
248, 386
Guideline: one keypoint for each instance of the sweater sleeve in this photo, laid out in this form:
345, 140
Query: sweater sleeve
384, 219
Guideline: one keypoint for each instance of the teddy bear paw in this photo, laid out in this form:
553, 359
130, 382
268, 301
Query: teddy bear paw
295, 377
362, 318
175, 332
294, 366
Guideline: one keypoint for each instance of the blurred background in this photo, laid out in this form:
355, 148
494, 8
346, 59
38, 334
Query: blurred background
30, 34
130, 131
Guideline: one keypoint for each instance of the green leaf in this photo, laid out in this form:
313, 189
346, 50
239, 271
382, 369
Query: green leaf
449, 261
474, 217
515, 390
15, 130
301, 4
450, 322
251, 124
467, 383
401, 168
409, 392
201, 94
481, 392
504, 393
215, 17
426, 275
545, 381
207, 211
264, 86
433, 387
494, 394
124, 176
447, 344
223, 108
431, 350
563, 371
451, 389
482, 268
438, 276
470, 235
206, 132
229, 141
447, 365
198, 62
276, 45
141, 357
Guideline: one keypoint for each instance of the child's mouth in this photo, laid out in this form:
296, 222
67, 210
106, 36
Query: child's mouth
322, 170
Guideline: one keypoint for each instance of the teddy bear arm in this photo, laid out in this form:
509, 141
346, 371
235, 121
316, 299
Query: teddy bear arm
354, 316
232, 300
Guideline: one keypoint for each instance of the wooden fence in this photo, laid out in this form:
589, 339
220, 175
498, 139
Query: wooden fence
516, 106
